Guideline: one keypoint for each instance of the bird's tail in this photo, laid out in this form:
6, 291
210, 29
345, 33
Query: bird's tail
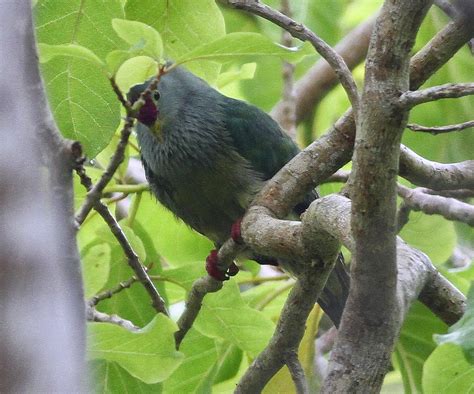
333, 298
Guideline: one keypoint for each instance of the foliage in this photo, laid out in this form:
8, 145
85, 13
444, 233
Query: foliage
85, 43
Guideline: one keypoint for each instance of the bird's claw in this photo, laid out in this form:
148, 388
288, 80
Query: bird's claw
212, 267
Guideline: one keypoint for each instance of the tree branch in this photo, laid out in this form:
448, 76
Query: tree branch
301, 32
94, 192
441, 129
133, 260
100, 317
42, 330
434, 175
450, 90
449, 208
320, 78
372, 309
333, 215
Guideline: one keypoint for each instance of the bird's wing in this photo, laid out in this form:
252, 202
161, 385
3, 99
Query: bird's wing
258, 138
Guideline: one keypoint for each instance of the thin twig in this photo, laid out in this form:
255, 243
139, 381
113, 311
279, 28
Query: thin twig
95, 191
100, 317
127, 189
157, 301
301, 32
111, 292
200, 288
258, 279
449, 90
441, 129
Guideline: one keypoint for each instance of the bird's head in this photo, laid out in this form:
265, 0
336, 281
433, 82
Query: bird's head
148, 112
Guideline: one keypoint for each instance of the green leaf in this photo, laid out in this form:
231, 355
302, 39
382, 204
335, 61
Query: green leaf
247, 71
462, 333
140, 36
109, 377
133, 303
237, 45
176, 242
225, 315
95, 268
415, 345
48, 52
83, 103
135, 70
230, 358
196, 373
148, 355
116, 58
441, 240
447, 371
182, 27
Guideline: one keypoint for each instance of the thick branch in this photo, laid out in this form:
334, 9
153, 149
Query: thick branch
42, 327
434, 175
334, 149
299, 242
372, 309
333, 214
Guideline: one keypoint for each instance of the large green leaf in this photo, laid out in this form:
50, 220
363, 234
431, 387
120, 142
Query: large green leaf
415, 345
140, 36
196, 373
82, 101
148, 355
175, 241
462, 333
432, 234
134, 71
225, 315
48, 52
182, 26
447, 371
95, 268
238, 45
109, 377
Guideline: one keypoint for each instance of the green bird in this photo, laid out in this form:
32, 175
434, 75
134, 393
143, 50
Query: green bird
206, 156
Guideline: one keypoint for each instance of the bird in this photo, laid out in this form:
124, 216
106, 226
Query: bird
206, 156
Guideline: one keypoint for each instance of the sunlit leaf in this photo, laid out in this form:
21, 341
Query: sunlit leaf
225, 315
183, 26
48, 52
140, 36
148, 355
447, 371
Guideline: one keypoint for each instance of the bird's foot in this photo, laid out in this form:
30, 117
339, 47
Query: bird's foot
213, 269
235, 233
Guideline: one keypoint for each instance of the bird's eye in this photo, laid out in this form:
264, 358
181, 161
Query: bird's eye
156, 95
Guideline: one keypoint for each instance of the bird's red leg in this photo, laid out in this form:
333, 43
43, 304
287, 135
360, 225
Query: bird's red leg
212, 267
235, 233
